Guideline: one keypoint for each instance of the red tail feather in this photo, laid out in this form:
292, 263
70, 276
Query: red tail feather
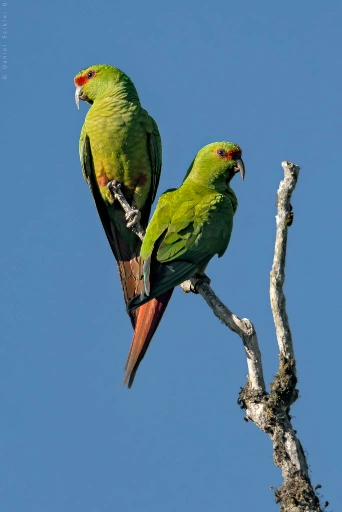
149, 316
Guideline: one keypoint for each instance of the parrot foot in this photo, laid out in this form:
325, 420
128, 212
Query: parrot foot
197, 280
131, 214
133, 217
114, 186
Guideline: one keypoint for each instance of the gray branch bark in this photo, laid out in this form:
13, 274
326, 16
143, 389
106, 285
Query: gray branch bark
270, 411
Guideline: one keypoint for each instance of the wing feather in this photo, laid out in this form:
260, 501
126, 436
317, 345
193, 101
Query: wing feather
129, 263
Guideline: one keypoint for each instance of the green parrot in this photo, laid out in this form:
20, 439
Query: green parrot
189, 226
119, 140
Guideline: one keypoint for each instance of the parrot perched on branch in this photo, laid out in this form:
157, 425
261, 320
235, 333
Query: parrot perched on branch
119, 140
189, 226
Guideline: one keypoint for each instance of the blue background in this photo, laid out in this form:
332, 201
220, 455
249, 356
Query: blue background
266, 75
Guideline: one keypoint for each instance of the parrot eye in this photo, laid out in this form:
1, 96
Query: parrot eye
221, 152
90, 74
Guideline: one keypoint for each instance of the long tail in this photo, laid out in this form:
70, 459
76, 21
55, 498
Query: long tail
149, 316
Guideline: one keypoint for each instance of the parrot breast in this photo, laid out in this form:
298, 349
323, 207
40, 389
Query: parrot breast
119, 147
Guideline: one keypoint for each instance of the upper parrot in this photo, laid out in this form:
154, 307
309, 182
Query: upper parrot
189, 226
119, 140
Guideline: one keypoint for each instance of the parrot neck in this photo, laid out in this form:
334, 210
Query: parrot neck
222, 188
124, 90
215, 181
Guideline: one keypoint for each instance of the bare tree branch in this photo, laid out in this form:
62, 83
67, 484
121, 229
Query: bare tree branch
284, 220
268, 410
243, 327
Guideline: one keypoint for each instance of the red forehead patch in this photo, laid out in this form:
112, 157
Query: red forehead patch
234, 153
81, 80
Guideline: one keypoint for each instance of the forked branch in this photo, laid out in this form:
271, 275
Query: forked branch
270, 411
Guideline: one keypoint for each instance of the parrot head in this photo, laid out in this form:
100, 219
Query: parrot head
100, 81
218, 162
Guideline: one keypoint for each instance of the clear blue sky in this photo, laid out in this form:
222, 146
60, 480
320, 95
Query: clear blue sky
264, 74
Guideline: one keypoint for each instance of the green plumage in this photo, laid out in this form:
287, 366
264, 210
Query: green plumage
119, 140
191, 224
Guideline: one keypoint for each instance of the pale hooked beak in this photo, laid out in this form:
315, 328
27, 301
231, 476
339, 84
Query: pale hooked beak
240, 167
78, 93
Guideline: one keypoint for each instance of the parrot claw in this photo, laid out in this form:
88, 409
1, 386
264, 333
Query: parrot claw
197, 280
133, 217
113, 186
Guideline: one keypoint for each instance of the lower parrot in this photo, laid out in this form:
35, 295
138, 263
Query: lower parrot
119, 140
189, 226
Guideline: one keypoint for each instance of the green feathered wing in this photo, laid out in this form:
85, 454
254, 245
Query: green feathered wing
185, 232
